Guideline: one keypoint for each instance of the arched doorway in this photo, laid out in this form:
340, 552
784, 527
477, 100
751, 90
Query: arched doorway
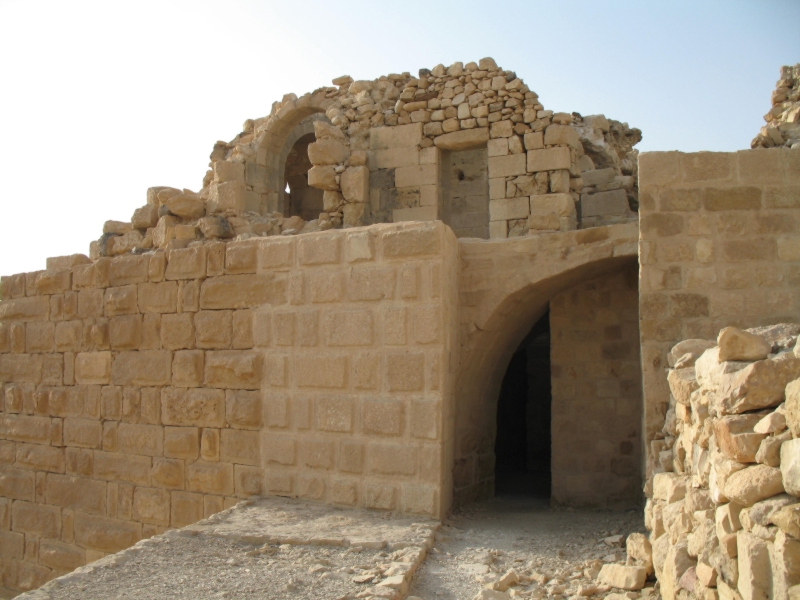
587, 282
299, 198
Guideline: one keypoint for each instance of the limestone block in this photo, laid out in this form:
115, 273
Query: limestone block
104, 533
215, 227
227, 170
755, 570
416, 175
93, 368
193, 407
243, 409
792, 411
242, 291
669, 487
735, 344
322, 177
594, 177
186, 263
355, 184
37, 519
158, 297
603, 204
549, 159
790, 466
35, 308
509, 208
682, 382
785, 559
233, 369
562, 135
505, 166
623, 577
552, 212
420, 240
240, 447
125, 332
182, 442
17, 484
328, 152
227, 195
151, 367
463, 140
416, 213
748, 486
736, 439
188, 368
146, 440
213, 328
676, 563
788, 519
395, 137
120, 300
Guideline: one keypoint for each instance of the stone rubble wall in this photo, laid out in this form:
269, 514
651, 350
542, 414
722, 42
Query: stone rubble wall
145, 392
783, 119
381, 155
723, 505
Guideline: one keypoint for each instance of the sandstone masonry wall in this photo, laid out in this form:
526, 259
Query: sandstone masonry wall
719, 246
596, 393
148, 391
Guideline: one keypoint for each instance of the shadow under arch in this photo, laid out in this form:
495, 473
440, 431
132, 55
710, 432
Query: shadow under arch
498, 316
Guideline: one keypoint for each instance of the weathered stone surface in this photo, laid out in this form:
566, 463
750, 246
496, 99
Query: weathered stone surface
788, 519
682, 382
735, 344
790, 466
792, 411
748, 486
736, 439
186, 206
755, 571
463, 140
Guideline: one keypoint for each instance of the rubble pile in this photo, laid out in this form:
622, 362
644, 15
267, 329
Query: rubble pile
723, 506
783, 119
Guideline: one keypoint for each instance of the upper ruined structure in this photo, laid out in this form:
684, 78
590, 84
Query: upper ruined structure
783, 119
470, 145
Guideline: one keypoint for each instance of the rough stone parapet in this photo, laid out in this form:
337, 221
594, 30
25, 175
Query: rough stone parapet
783, 119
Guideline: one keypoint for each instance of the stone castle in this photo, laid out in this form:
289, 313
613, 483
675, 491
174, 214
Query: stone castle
333, 315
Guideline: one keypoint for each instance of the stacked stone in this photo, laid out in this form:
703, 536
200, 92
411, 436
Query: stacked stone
534, 153
723, 504
783, 119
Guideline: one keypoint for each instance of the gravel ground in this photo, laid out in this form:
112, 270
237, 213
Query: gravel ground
483, 541
196, 567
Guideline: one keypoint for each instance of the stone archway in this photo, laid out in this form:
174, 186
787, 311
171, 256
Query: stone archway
505, 287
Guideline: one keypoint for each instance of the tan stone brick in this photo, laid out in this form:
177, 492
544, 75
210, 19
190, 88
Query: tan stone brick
248, 481
193, 407
25, 309
424, 420
214, 328
146, 440
186, 263
60, 556
243, 409
242, 330
158, 297
17, 484
240, 257
371, 283
233, 369
187, 508
151, 367
283, 328
276, 367
320, 248
125, 332
113, 466
177, 331
12, 545
209, 444
392, 459
275, 254
40, 337
240, 446
508, 165
381, 497
324, 286
277, 411
212, 505
92, 368
243, 291
350, 328
151, 505
36, 519
151, 332
549, 159
21, 368
188, 368
419, 240
405, 372
750, 249
90, 304
415, 175
323, 371
360, 246
737, 198
83, 433
279, 450
182, 442
189, 295
210, 478
307, 322
67, 336
120, 301
167, 473
76, 493
334, 413
105, 534
40, 458
317, 454
157, 266
55, 281
382, 416
420, 499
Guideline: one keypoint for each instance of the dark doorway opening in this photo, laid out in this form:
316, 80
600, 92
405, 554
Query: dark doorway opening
522, 447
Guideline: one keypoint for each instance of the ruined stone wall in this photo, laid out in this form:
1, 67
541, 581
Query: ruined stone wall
719, 246
145, 392
596, 393
783, 118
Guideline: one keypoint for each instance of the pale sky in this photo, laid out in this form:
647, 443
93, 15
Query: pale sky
101, 100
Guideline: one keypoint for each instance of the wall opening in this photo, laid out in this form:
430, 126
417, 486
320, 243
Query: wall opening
522, 444
465, 192
302, 200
